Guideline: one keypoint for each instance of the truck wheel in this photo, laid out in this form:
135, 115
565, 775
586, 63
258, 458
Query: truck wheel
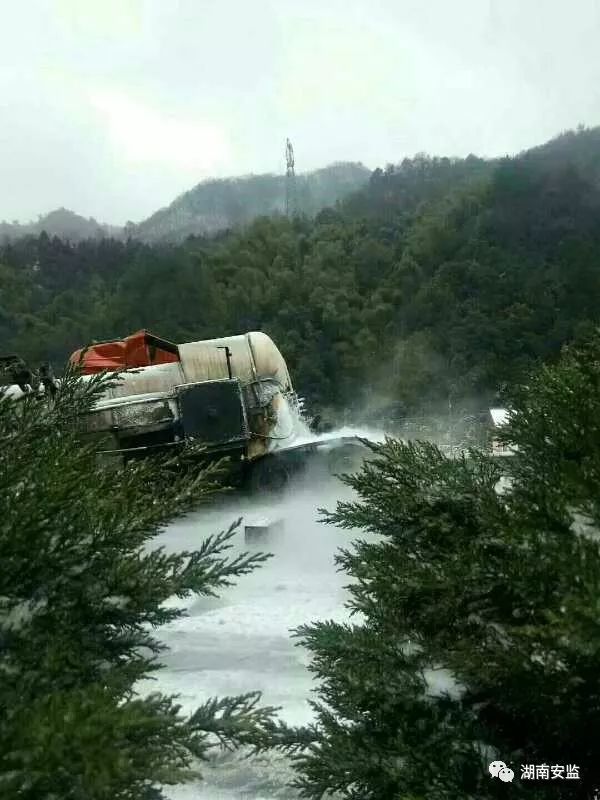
269, 475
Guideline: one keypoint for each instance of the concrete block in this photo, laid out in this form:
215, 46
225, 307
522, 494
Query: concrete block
258, 530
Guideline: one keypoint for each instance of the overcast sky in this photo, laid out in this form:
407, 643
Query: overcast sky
113, 107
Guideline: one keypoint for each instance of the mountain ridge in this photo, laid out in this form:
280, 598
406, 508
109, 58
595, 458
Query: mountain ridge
217, 204
212, 205
61, 222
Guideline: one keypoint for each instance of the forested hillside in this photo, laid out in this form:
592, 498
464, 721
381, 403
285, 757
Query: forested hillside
216, 205
442, 279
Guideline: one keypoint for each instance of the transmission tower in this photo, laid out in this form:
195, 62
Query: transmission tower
290, 181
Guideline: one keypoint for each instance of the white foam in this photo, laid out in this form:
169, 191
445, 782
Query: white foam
371, 434
241, 641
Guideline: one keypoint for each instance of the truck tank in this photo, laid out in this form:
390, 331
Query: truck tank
234, 395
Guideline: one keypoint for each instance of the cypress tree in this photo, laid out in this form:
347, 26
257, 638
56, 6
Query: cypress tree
477, 629
82, 589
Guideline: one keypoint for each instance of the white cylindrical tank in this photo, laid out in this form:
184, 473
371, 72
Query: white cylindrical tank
254, 357
145, 395
147, 380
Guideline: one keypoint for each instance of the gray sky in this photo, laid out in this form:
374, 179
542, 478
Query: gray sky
113, 107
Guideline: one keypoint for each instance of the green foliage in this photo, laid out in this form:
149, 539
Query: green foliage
477, 635
82, 588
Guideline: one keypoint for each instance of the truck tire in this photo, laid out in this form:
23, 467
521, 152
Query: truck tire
269, 475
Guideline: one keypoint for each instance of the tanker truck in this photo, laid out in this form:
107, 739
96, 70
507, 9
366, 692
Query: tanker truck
233, 395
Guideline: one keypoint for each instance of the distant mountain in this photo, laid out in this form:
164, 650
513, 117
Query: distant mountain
62, 223
216, 205
209, 207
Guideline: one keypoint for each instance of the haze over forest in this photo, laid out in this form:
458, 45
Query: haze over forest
211, 206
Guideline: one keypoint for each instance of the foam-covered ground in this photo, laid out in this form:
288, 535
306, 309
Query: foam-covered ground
241, 642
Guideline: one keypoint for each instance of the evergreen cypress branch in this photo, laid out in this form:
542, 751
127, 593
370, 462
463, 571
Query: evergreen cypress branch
82, 590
